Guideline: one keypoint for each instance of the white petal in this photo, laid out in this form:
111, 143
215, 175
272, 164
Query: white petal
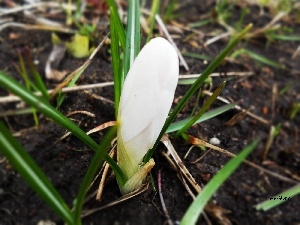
147, 97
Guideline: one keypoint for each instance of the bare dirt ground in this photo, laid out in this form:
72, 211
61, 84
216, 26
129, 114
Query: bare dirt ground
65, 161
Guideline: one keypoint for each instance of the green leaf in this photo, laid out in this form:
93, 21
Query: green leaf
279, 199
116, 65
37, 77
133, 39
32, 174
206, 105
117, 23
154, 12
206, 116
257, 57
195, 209
44, 107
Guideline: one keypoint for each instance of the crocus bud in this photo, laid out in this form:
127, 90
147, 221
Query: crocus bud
146, 99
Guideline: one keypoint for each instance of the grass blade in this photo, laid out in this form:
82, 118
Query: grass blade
195, 209
90, 174
61, 96
32, 174
115, 53
206, 105
117, 23
257, 57
154, 11
278, 199
211, 67
133, 39
38, 80
40, 104
206, 116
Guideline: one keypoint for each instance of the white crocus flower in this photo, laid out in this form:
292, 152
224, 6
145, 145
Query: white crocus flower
146, 99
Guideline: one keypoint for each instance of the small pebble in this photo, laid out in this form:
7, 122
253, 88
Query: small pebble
214, 141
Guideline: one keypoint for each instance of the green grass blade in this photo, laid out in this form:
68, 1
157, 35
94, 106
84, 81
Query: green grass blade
285, 37
189, 81
90, 174
200, 23
154, 11
117, 73
211, 67
206, 105
196, 56
41, 105
38, 80
28, 83
133, 39
61, 96
117, 23
257, 57
23, 71
206, 116
169, 13
278, 199
32, 174
195, 209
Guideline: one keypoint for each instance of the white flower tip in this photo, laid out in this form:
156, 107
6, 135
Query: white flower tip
146, 99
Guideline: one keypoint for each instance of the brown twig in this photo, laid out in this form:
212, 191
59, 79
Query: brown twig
169, 221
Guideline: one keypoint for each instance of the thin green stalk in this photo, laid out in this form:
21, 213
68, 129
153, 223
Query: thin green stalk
154, 11
257, 57
38, 80
90, 174
117, 73
279, 199
169, 14
133, 39
211, 67
197, 100
28, 84
117, 22
32, 174
206, 116
117, 36
206, 105
23, 71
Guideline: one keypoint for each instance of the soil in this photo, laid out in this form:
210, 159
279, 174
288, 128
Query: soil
65, 161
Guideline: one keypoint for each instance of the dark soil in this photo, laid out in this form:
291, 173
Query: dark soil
66, 161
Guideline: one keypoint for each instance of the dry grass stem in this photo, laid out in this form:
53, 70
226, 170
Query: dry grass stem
216, 38
262, 120
169, 221
269, 142
119, 200
8, 99
179, 174
81, 112
102, 126
37, 27
53, 4
196, 141
166, 141
104, 175
165, 30
99, 97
